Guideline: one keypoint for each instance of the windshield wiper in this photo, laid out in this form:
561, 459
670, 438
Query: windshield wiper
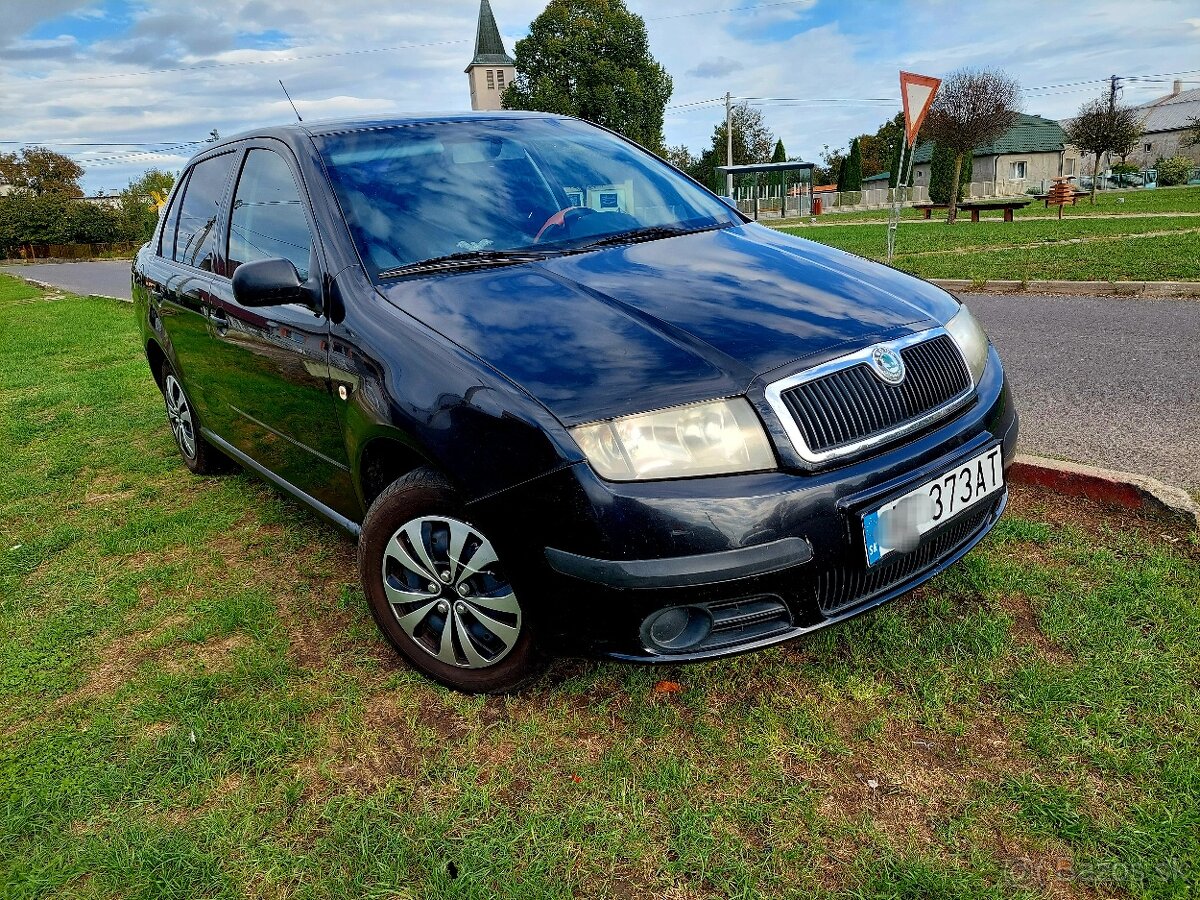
649, 233
468, 259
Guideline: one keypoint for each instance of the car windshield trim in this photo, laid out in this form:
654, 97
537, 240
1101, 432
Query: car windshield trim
466, 260
648, 233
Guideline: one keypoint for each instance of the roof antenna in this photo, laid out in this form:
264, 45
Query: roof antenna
289, 96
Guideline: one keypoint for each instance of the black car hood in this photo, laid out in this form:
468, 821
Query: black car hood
656, 324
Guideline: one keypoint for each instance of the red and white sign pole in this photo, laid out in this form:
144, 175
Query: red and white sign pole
916, 94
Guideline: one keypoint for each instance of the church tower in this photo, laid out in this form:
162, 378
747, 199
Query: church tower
492, 70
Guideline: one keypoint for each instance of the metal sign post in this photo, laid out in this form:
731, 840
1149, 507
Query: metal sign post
897, 201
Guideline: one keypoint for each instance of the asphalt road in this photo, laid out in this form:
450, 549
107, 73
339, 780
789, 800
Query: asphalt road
1100, 380
106, 278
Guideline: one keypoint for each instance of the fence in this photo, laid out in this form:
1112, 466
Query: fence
71, 251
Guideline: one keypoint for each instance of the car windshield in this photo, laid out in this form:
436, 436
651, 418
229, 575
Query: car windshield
494, 189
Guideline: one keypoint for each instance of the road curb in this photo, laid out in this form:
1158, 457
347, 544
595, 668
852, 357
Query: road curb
1124, 490
1074, 288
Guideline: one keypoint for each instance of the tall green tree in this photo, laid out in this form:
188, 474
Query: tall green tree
591, 59
851, 179
752, 143
780, 155
894, 166
830, 166
139, 209
1103, 126
971, 109
941, 174
1193, 134
39, 171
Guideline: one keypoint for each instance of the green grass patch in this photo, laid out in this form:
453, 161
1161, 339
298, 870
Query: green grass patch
1132, 248
194, 702
1158, 201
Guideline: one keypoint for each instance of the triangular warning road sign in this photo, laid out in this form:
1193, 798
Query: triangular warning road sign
916, 92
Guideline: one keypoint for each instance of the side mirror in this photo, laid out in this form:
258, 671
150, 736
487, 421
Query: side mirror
268, 282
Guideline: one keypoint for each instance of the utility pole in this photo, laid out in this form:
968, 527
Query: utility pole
728, 144
1114, 84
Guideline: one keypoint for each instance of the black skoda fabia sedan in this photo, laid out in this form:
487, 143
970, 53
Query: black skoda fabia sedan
568, 400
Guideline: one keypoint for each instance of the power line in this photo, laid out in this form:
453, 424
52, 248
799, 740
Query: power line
123, 158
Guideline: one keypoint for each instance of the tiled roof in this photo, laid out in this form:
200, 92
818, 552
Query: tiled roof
1172, 112
1029, 134
489, 46
882, 176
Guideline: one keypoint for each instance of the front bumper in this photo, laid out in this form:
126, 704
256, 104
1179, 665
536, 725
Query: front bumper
767, 557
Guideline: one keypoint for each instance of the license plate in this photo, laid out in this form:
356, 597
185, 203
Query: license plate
900, 524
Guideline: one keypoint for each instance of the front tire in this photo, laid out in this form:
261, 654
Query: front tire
439, 591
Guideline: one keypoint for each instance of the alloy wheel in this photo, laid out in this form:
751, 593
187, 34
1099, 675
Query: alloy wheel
179, 413
444, 583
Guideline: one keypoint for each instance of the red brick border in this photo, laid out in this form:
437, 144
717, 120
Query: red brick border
1124, 490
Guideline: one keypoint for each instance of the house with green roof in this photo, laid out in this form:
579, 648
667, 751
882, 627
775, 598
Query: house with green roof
1028, 155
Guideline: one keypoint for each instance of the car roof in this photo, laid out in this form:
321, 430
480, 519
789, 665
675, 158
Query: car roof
293, 131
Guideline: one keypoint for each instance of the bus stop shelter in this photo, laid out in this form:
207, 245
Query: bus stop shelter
795, 194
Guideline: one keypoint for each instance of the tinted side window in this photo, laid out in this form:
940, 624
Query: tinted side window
268, 219
194, 243
166, 238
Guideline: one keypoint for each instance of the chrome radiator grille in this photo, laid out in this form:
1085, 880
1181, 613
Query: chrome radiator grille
851, 405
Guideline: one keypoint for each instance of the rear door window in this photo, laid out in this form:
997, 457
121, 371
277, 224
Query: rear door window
195, 234
166, 238
268, 220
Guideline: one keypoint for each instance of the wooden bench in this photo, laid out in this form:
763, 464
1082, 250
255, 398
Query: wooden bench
987, 205
976, 207
928, 208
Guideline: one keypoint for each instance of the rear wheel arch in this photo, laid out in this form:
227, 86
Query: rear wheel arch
156, 358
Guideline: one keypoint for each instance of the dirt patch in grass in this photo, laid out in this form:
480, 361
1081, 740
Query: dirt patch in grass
179, 816
903, 787
1025, 629
155, 730
119, 661
308, 601
1037, 504
210, 656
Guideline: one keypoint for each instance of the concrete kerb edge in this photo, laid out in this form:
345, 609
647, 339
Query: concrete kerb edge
1076, 288
1123, 490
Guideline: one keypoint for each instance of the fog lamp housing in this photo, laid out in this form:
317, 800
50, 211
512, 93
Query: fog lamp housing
677, 628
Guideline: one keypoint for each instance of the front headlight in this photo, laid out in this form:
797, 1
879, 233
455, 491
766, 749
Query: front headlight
718, 437
972, 341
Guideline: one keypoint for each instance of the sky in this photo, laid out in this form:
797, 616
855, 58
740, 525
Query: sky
81, 76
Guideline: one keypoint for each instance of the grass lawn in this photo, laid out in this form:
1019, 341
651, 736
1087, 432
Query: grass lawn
1159, 201
194, 702
1127, 236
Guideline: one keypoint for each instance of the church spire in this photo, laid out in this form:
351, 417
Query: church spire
489, 46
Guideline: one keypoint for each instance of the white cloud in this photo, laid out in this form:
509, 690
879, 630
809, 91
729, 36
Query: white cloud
1039, 43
